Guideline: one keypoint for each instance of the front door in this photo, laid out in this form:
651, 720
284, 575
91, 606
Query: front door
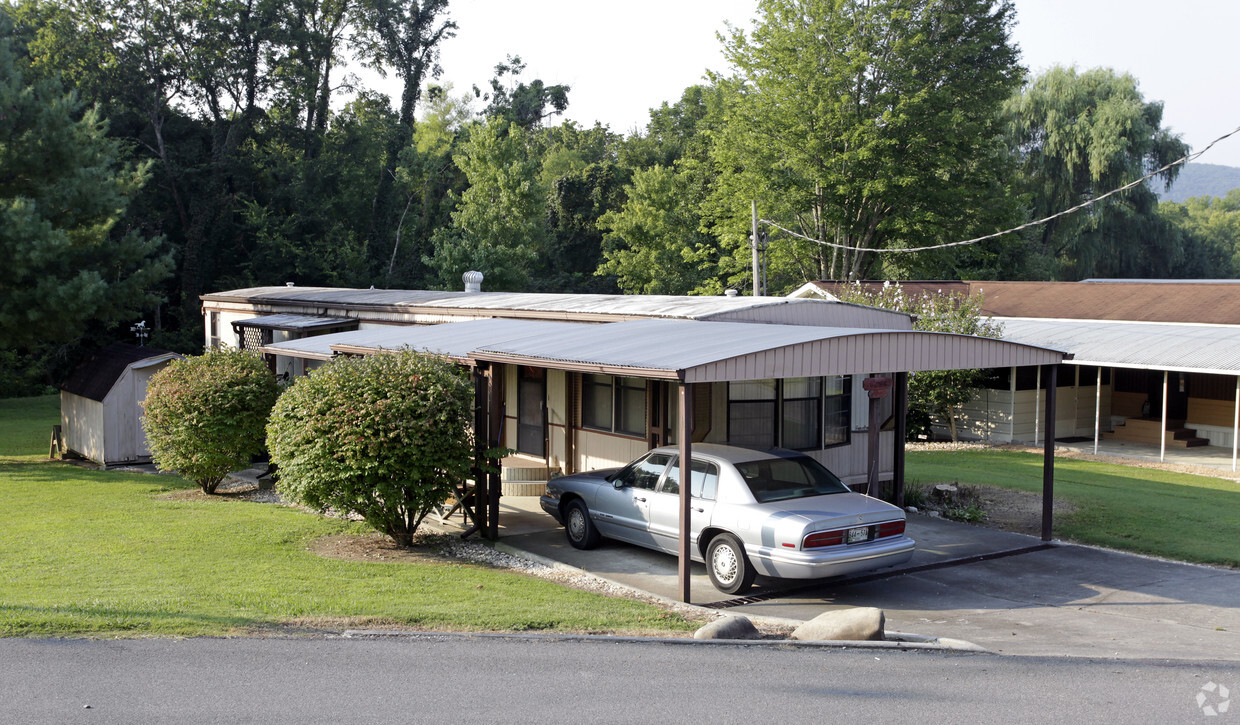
532, 411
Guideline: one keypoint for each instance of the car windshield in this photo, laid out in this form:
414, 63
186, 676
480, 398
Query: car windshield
780, 479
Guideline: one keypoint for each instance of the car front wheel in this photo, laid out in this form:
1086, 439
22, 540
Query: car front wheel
729, 568
577, 525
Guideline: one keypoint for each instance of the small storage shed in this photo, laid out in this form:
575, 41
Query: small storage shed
101, 404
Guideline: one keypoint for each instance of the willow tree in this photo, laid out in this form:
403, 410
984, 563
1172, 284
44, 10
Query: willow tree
867, 123
1078, 135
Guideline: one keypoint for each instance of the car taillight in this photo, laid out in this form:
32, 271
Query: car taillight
890, 528
823, 538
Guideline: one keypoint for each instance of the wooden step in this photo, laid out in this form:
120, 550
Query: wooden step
1149, 431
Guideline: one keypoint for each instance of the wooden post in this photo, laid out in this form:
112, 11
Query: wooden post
495, 419
1162, 437
684, 435
481, 440
897, 473
1048, 455
871, 479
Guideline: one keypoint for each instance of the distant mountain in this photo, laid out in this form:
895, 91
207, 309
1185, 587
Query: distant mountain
1201, 180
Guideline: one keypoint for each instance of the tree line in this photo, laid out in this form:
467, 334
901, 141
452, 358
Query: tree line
154, 150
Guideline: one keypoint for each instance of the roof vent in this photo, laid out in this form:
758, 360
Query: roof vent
288, 284
730, 292
473, 281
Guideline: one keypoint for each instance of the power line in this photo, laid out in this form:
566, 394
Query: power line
1065, 212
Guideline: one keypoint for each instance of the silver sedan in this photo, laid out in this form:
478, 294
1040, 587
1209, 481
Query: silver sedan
777, 513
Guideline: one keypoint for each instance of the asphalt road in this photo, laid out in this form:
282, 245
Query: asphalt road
451, 678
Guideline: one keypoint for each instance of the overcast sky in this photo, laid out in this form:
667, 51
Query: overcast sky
621, 59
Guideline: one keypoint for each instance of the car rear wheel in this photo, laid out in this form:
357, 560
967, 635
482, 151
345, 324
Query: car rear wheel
729, 568
577, 525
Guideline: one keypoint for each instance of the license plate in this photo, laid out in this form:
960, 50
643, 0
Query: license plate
861, 533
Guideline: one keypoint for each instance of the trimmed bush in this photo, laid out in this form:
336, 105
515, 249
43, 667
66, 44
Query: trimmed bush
385, 437
205, 415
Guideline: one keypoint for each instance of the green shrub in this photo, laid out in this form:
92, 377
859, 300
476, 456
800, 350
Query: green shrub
205, 415
385, 437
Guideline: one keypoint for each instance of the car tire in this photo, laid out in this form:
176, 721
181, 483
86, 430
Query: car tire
729, 568
581, 532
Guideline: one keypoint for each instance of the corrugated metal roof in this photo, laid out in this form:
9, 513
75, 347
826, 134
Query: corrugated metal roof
1148, 345
572, 306
718, 351
453, 339
295, 322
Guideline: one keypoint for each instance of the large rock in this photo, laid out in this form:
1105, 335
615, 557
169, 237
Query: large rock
734, 627
858, 623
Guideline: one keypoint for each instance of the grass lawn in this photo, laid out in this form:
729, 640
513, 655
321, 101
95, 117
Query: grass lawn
1173, 515
86, 552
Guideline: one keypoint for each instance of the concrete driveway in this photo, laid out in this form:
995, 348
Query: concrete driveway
1007, 592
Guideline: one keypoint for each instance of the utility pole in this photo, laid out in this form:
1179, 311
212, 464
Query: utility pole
753, 244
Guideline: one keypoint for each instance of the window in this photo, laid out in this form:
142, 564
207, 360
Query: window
213, 334
797, 413
704, 483
751, 413
644, 473
837, 402
613, 404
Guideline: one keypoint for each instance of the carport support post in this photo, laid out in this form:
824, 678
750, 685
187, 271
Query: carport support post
1048, 455
481, 440
897, 467
495, 418
683, 433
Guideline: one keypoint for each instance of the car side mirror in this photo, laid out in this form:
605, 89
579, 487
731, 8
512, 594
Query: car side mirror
618, 483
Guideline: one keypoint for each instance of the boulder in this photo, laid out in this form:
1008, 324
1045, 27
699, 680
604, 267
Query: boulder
734, 627
858, 623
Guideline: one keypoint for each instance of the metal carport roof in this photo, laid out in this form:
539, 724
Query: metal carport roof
686, 350
699, 352
1178, 347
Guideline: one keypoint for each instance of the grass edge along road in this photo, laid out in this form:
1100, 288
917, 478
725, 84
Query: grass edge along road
104, 553
1180, 516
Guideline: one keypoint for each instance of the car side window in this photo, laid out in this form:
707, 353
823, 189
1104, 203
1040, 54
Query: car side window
704, 483
646, 472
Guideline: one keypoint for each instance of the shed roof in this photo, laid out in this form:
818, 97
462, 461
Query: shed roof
688, 350
1143, 345
581, 307
296, 322
1132, 300
95, 376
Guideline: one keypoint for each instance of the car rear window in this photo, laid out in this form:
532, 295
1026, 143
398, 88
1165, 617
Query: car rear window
781, 479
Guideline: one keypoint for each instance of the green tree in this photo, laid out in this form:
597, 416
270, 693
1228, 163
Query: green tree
499, 226
1212, 227
652, 244
205, 415
70, 261
931, 393
871, 124
404, 36
386, 437
1076, 136
525, 104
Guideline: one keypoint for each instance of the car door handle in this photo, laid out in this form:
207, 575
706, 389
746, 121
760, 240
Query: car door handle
701, 511
639, 498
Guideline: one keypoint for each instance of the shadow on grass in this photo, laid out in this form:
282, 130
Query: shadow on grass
59, 472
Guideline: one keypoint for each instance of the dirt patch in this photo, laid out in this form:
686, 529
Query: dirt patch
1018, 511
377, 547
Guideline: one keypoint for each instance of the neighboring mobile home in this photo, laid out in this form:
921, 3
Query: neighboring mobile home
1153, 361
